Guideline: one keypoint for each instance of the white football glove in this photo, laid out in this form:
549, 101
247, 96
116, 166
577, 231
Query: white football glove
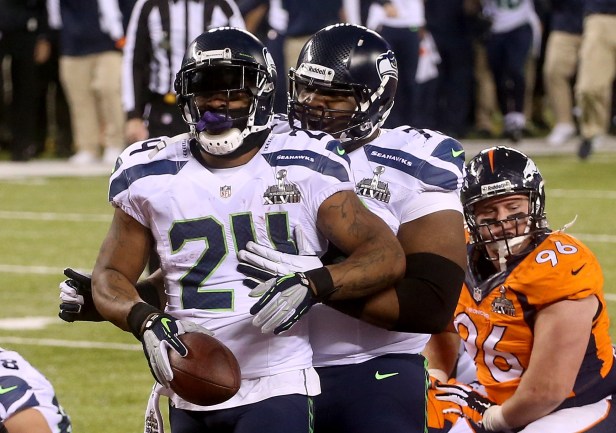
260, 263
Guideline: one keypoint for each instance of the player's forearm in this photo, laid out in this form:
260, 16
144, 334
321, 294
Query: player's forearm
441, 352
525, 407
114, 296
372, 268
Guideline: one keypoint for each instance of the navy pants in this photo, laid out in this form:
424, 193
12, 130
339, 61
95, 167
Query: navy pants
282, 414
384, 394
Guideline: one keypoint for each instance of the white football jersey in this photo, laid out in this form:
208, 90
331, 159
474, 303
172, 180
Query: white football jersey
201, 218
402, 175
22, 387
507, 16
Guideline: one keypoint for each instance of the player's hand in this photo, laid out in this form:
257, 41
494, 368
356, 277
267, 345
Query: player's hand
161, 333
260, 263
76, 295
284, 300
472, 403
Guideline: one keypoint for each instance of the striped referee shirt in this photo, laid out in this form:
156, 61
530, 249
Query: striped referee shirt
158, 34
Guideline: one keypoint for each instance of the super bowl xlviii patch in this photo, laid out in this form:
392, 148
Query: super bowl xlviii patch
374, 188
225, 191
502, 305
283, 192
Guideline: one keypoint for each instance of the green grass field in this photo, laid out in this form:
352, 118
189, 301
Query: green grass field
51, 223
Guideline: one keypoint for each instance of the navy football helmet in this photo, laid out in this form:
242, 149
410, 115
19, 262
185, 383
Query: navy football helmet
344, 59
498, 172
231, 62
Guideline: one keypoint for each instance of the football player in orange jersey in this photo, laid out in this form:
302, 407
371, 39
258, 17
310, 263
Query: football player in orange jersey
532, 313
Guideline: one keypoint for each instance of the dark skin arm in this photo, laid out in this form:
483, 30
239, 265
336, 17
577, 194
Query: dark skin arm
121, 260
375, 259
440, 233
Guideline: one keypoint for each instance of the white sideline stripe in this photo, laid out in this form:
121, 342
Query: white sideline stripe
69, 343
54, 216
610, 297
582, 193
41, 270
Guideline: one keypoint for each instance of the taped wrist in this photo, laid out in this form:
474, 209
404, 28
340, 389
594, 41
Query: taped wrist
322, 282
494, 420
138, 315
149, 293
428, 293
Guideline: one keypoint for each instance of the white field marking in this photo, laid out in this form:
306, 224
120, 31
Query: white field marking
603, 239
610, 296
40, 270
582, 193
54, 216
26, 323
69, 343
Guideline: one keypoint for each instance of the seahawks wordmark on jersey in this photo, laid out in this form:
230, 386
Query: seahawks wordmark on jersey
402, 175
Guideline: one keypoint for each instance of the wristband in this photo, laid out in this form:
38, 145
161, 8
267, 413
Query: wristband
493, 419
322, 282
438, 374
138, 315
148, 292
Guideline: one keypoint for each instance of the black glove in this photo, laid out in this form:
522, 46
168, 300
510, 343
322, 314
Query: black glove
76, 295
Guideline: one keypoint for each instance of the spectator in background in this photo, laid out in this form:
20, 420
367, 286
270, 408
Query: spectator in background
400, 22
55, 133
448, 24
268, 20
356, 11
23, 38
91, 39
305, 18
561, 59
157, 36
28, 403
508, 46
596, 72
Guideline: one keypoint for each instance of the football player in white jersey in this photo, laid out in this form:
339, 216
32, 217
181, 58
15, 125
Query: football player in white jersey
28, 403
372, 374
201, 197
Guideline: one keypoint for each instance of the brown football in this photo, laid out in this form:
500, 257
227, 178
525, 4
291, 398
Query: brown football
208, 375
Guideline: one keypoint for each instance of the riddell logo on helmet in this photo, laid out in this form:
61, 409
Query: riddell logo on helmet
496, 187
316, 71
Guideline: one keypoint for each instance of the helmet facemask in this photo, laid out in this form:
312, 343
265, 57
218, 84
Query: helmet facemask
222, 130
498, 173
337, 122
509, 237
339, 60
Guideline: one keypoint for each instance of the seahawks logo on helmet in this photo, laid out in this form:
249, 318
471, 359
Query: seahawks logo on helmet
386, 65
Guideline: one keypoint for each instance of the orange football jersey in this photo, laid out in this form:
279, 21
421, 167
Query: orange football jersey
495, 317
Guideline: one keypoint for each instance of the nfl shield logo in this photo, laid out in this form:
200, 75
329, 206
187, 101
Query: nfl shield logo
225, 191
